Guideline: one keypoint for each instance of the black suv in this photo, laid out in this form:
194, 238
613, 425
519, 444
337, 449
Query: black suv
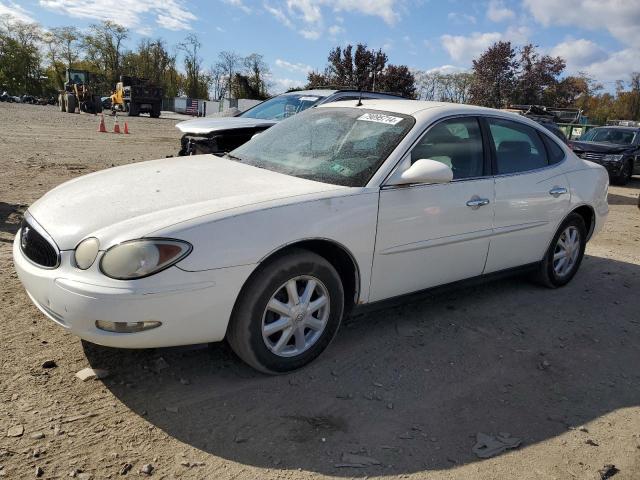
615, 148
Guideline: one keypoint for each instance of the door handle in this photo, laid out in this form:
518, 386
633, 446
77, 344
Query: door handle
476, 202
557, 191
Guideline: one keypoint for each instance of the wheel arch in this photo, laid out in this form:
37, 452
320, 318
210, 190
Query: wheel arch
588, 214
337, 255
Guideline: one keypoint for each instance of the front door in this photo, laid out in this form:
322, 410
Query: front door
435, 234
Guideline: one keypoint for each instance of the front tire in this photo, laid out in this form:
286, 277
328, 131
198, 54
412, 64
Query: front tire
287, 313
564, 256
625, 173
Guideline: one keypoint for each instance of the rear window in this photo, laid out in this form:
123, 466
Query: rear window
518, 147
555, 153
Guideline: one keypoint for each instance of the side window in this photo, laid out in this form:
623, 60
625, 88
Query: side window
556, 154
518, 146
456, 142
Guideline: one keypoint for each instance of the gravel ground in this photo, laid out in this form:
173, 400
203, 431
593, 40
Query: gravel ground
401, 393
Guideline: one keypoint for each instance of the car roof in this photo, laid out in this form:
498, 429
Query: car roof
317, 92
619, 127
411, 107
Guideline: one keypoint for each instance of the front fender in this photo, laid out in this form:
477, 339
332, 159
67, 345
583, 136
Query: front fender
249, 237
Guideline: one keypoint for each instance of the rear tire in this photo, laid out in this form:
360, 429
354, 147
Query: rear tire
564, 256
305, 329
155, 111
71, 103
134, 109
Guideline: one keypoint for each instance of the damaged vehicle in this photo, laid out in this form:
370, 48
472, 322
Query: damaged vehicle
220, 135
272, 245
615, 148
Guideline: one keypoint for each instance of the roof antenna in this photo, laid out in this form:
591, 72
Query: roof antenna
359, 104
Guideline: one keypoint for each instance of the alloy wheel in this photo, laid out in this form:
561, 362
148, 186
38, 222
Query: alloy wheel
566, 251
295, 316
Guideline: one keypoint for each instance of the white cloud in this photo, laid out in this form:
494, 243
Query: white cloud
517, 35
239, 4
15, 12
385, 9
618, 66
308, 16
463, 49
620, 17
579, 53
310, 34
335, 30
281, 85
584, 55
279, 15
170, 14
172, 23
446, 69
497, 12
293, 67
461, 18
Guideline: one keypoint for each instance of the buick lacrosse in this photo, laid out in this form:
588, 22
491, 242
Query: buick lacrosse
272, 245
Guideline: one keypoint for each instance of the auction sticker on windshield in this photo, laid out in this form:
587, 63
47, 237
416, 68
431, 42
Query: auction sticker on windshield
380, 118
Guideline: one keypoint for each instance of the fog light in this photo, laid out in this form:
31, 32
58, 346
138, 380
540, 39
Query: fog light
127, 327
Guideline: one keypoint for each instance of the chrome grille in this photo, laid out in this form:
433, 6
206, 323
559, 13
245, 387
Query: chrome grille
36, 247
594, 157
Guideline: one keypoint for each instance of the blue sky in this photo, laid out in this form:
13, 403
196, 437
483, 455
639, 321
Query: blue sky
601, 37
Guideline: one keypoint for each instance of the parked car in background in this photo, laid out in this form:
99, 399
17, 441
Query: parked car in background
273, 244
615, 148
219, 135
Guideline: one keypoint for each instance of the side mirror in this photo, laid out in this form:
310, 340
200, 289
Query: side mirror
423, 171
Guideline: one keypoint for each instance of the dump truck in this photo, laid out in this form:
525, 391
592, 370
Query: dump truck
137, 95
78, 93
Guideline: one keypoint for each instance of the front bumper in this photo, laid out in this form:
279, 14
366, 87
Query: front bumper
613, 168
193, 307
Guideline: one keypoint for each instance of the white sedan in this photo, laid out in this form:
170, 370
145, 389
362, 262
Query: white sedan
271, 246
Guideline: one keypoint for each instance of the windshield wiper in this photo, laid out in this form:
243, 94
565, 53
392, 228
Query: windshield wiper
233, 157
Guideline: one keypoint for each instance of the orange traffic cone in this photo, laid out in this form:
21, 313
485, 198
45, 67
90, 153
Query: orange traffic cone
101, 127
116, 125
126, 128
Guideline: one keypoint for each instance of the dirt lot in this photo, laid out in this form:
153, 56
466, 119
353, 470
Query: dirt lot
409, 386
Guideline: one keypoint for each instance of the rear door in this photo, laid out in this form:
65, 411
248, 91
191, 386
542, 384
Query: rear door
531, 193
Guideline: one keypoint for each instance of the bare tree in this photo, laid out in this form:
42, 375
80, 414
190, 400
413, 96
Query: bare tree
229, 64
196, 82
104, 48
63, 49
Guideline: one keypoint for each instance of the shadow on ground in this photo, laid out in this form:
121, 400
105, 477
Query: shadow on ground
409, 386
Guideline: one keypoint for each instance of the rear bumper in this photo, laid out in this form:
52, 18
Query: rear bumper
193, 307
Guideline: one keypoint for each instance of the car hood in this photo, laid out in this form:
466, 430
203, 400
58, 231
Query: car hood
598, 147
203, 126
134, 200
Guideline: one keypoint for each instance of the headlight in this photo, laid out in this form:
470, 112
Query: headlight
612, 158
141, 258
86, 252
